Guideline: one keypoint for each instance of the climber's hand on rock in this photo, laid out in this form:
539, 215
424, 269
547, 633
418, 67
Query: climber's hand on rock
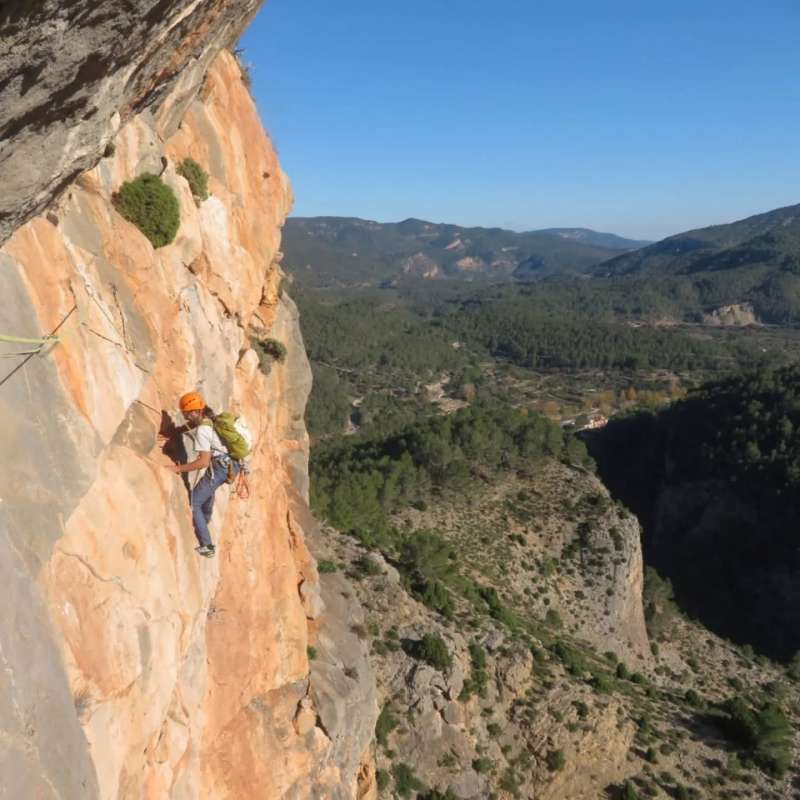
176, 468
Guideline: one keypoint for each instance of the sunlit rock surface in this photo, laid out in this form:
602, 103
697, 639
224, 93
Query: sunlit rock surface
129, 666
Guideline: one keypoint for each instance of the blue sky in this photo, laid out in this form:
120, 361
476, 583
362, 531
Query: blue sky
638, 118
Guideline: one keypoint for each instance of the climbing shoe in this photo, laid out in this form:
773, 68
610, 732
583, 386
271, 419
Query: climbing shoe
206, 550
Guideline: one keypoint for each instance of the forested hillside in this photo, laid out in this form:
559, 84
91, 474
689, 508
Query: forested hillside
755, 261
358, 483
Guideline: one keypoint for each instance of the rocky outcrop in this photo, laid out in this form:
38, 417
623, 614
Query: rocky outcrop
475, 742
73, 74
421, 266
130, 666
555, 542
736, 315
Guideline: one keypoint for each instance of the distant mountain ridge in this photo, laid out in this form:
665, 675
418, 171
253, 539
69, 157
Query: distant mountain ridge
588, 236
765, 238
348, 251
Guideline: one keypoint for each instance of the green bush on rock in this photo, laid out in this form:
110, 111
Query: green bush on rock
196, 177
765, 734
555, 760
405, 781
268, 350
432, 649
151, 206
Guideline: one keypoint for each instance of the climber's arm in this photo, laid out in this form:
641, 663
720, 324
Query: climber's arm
171, 433
201, 462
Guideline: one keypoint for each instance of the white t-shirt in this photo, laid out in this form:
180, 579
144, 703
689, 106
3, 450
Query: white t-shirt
206, 440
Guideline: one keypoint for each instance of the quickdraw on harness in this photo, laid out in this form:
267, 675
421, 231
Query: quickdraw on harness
241, 487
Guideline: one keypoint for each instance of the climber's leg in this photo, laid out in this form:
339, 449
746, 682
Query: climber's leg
202, 498
217, 479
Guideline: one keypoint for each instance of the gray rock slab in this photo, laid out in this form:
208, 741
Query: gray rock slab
71, 73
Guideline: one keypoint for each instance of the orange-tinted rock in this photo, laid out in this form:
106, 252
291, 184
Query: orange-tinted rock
186, 673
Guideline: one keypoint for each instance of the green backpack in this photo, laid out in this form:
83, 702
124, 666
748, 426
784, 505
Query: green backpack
235, 435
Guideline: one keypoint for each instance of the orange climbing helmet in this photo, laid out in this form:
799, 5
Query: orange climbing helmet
192, 401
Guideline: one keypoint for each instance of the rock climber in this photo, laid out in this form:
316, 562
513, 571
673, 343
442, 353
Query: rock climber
212, 460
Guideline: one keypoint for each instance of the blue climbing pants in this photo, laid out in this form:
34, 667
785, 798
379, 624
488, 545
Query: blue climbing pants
203, 498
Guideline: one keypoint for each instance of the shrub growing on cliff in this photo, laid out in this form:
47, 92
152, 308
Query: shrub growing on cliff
659, 605
151, 206
764, 733
196, 177
366, 567
482, 765
437, 597
572, 659
405, 781
629, 792
437, 795
386, 723
382, 778
479, 678
245, 68
269, 350
496, 608
555, 760
432, 649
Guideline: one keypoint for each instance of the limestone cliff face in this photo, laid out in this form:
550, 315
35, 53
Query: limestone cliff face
129, 666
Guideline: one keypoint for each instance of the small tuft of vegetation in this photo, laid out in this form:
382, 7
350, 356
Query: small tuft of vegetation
629, 792
553, 619
659, 604
436, 795
382, 778
432, 649
793, 670
82, 700
483, 765
497, 610
311, 652
405, 781
572, 659
196, 177
326, 567
437, 597
478, 679
367, 567
556, 761
269, 350
386, 723
151, 206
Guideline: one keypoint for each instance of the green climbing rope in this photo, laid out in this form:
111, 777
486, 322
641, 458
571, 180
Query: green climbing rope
23, 340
